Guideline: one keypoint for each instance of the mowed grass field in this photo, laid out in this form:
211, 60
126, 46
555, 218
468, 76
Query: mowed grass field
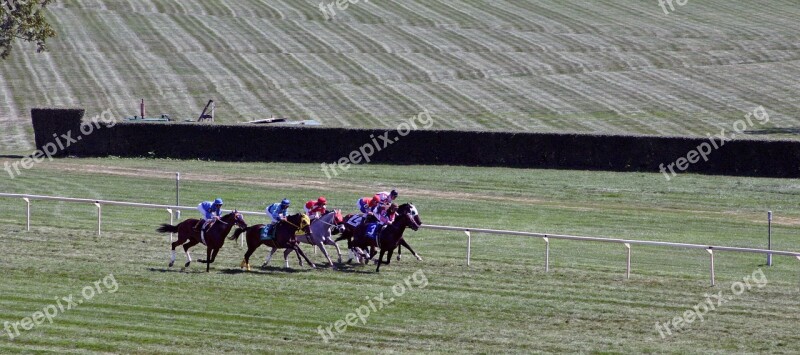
504, 302
605, 66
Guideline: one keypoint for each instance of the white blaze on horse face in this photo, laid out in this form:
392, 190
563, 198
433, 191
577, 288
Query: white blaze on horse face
414, 211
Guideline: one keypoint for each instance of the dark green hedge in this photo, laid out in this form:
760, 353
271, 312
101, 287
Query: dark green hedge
49, 121
524, 150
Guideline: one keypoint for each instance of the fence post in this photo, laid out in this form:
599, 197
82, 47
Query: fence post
469, 246
99, 217
713, 278
628, 268
546, 254
171, 222
28, 213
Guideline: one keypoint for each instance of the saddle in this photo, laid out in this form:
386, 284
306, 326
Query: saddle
268, 233
374, 230
355, 221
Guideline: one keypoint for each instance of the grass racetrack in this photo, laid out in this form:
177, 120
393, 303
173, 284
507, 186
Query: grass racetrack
504, 302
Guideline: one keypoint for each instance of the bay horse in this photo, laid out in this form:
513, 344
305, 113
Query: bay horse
188, 236
391, 236
320, 234
348, 232
284, 239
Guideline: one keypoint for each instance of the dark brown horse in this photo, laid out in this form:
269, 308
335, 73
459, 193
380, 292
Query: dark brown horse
364, 248
215, 236
349, 231
284, 238
391, 237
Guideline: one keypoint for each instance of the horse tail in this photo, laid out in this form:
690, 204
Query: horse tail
238, 232
167, 228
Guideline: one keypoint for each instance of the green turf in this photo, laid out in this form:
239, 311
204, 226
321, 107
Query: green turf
503, 302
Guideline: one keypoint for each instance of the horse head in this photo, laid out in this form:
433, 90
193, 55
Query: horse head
301, 222
409, 215
236, 218
337, 217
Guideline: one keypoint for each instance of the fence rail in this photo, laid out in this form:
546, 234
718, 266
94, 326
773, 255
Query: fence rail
172, 210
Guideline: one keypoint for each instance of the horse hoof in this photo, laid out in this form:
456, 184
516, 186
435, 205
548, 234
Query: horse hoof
248, 267
350, 261
243, 264
398, 258
418, 257
187, 264
171, 263
264, 265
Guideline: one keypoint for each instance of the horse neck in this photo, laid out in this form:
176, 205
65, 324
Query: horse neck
400, 227
227, 227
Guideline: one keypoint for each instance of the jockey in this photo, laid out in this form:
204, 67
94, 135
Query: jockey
384, 216
278, 211
211, 211
367, 204
315, 209
387, 215
386, 198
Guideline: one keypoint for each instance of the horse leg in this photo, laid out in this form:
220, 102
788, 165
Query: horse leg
250, 250
380, 260
357, 253
186, 247
321, 246
214, 255
208, 257
299, 261
175, 244
399, 252
403, 243
300, 251
286, 258
389, 256
372, 252
330, 241
269, 256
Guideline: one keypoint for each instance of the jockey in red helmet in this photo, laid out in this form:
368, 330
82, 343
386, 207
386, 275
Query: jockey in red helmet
315, 209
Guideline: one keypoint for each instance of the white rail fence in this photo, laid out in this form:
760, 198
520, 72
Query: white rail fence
627, 243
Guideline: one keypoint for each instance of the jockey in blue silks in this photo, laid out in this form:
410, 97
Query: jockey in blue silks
278, 212
210, 211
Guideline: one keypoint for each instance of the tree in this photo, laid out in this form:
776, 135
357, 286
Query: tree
23, 19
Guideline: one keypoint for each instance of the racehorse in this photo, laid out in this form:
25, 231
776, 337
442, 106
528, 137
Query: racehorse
215, 236
349, 230
321, 234
284, 239
358, 250
391, 236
